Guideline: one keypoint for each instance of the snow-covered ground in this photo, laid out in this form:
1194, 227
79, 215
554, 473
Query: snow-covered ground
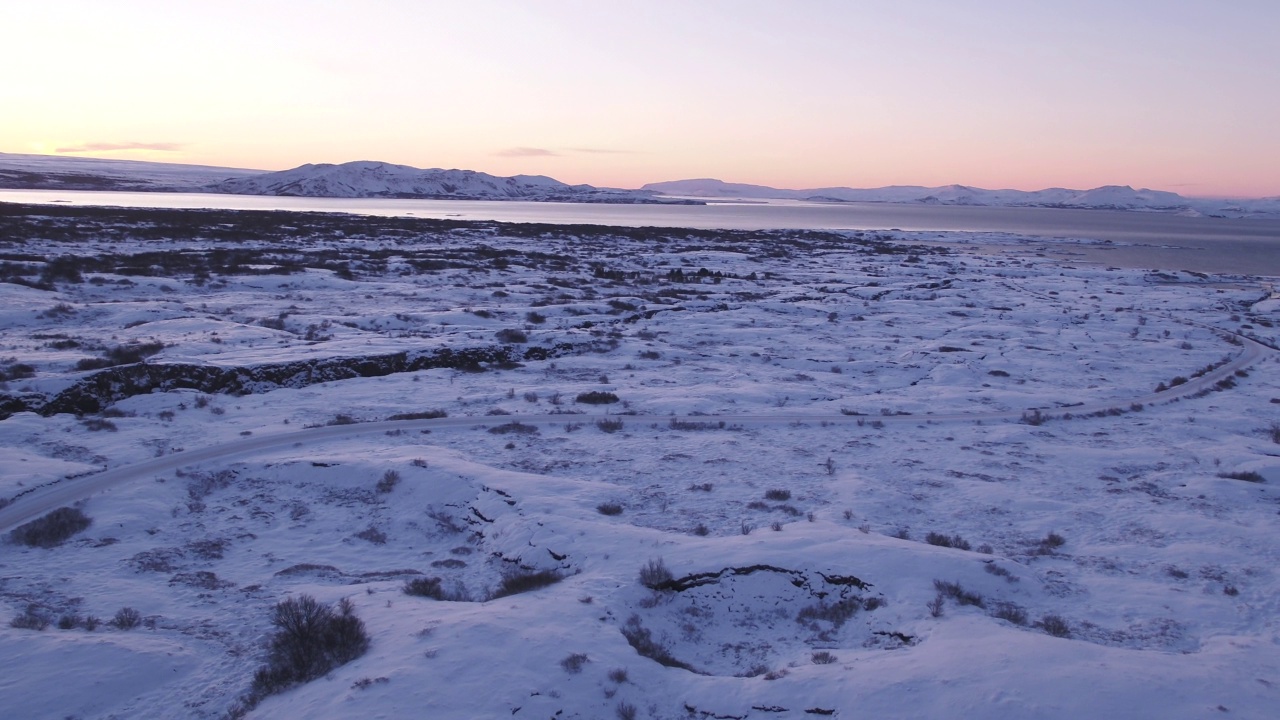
795, 531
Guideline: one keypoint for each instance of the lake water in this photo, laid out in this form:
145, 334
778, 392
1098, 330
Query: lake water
1144, 240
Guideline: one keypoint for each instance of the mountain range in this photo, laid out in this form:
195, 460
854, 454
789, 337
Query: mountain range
1109, 197
366, 179
369, 179
361, 179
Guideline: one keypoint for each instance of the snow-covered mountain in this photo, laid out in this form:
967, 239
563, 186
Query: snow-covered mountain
54, 172
1109, 197
363, 179
368, 179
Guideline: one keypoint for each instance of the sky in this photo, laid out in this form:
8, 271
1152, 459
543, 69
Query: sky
1170, 94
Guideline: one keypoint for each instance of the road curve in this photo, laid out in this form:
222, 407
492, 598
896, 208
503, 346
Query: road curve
40, 500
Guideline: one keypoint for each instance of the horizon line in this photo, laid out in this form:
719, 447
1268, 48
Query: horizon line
1209, 196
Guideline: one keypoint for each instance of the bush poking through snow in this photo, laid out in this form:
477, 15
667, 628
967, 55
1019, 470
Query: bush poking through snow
955, 541
618, 675
522, 581
424, 415
373, 535
52, 529
310, 640
936, 605
98, 424
626, 711
596, 397
822, 657
573, 664
654, 573
126, 619
121, 355
1055, 626
777, 495
1049, 543
428, 587
389, 480
998, 571
609, 425
17, 371
1009, 611
609, 508
836, 613
30, 619
641, 639
958, 593
1247, 476
514, 427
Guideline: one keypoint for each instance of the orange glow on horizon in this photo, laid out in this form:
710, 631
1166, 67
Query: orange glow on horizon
825, 95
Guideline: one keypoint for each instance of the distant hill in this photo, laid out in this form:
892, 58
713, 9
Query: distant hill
55, 172
362, 179
368, 179
1110, 197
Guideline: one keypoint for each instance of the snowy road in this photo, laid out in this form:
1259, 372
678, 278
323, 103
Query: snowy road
40, 500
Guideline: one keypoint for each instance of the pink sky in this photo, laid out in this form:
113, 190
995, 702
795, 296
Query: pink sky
1169, 95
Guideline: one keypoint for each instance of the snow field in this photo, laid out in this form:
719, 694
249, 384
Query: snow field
1165, 579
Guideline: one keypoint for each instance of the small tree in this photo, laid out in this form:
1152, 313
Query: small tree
126, 618
310, 640
389, 480
654, 574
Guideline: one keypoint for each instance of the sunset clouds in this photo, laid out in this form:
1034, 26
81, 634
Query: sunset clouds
106, 147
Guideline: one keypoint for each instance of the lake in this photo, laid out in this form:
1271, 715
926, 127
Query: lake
1139, 239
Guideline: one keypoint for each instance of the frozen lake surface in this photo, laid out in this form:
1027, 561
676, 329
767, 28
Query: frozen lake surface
1135, 239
